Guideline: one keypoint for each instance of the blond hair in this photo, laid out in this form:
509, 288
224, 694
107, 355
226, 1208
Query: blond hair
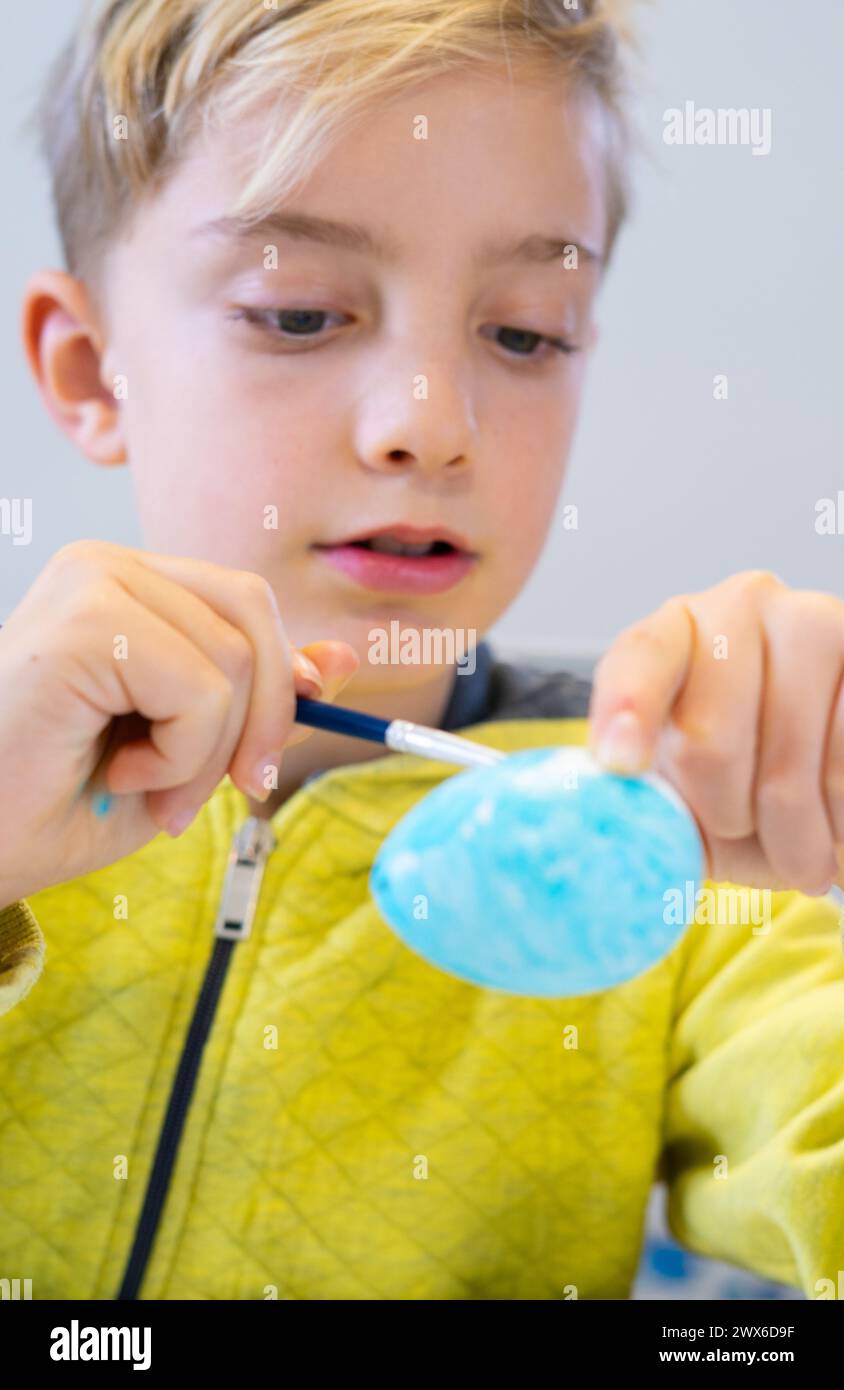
140, 77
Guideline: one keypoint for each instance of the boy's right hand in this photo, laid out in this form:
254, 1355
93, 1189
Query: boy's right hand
148, 676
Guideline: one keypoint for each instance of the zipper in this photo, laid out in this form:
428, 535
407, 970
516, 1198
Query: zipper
252, 845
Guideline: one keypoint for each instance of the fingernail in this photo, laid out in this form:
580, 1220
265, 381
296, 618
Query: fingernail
182, 820
270, 763
335, 685
822, 891
305, 668
622, 745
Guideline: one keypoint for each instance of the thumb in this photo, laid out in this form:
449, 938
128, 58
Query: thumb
336, 662
333, 663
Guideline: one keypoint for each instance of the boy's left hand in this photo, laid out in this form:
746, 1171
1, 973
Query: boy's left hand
734, 695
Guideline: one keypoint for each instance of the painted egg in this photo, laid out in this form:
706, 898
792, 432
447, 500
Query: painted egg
541, 874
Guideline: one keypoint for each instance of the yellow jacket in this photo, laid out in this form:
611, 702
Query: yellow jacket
363, 1126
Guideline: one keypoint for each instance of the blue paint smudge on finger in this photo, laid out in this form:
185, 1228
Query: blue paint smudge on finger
102, 805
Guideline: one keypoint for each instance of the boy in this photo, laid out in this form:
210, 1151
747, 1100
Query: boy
315, 352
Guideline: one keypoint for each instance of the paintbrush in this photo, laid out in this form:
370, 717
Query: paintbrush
402, 735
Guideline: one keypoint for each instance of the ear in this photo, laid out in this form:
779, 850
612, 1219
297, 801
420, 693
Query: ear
65, 350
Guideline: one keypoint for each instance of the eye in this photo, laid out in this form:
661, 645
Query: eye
523, 341
287, 325
301, 323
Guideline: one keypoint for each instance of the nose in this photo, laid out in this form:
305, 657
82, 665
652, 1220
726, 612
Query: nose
417, 414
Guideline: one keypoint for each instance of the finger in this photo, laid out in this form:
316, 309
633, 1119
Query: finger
229, 645
635, 686
247, 603
746, 862
228, 614
307, 676
336, 663
707, 749
833, 763
325, 668
791, 815
170, 682
743, 862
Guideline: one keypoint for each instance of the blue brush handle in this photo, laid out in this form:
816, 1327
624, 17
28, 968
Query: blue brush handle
320, 715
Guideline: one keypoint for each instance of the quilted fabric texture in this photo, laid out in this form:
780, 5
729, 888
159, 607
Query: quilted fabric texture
21, 954
365, 1127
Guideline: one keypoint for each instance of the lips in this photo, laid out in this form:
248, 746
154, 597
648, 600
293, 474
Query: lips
410, 535
386, 569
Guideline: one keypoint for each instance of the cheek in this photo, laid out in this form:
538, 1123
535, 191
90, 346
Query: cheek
524, 503
530, 514
212, 445
533, 452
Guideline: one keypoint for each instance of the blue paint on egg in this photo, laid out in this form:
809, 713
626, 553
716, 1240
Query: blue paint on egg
541, 875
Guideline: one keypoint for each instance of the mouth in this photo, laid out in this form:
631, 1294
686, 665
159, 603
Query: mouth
388, 545
402, 559
403, 538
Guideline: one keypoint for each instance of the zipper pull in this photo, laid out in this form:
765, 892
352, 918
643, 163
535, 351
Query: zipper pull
251, 846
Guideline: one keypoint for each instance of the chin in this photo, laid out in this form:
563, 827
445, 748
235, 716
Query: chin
401, 651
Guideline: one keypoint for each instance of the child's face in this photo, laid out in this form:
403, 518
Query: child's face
227, 416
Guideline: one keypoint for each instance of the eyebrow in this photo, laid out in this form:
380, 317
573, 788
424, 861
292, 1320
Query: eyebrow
535, 249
